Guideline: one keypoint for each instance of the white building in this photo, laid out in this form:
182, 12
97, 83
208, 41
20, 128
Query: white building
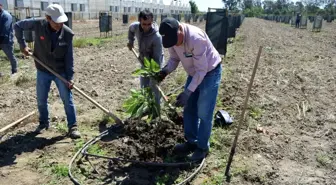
88, 9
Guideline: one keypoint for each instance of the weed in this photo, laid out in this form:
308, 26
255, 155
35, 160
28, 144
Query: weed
85, 42
323, 159
60, 170
168, 159
180, 78
62, 127
219, 139
4, 79
240, 170
22, 79
214, 180
255, 112
96, 149
79, 144
162, 180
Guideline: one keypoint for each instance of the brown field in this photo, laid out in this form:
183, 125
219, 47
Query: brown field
292, 101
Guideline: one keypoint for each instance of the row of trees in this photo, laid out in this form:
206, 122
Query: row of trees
281, 7
253, 8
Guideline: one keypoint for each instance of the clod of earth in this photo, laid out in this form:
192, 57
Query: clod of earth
137, 140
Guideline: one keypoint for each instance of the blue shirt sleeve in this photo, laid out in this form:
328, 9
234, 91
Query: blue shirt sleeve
69, 62
6, 25
24, 25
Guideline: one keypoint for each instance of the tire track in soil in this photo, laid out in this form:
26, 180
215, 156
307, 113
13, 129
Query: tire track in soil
296, 66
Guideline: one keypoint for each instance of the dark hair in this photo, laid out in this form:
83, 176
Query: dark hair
145, 14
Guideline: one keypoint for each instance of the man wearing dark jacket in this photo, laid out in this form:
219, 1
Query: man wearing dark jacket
150, 44
6, 37
52, 46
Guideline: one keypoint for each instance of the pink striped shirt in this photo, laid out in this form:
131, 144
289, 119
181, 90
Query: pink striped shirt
197, 55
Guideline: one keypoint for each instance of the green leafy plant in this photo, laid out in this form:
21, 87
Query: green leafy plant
142, 102
150, 69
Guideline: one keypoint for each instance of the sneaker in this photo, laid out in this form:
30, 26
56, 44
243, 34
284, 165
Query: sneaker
199, 154
74, 133
41, 127
184, 149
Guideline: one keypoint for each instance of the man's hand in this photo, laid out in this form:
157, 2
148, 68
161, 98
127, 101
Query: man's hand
70, 84
183, 98
130, 46
26, 51
160, 76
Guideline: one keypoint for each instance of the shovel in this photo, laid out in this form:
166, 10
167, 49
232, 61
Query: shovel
114, 117
176, 117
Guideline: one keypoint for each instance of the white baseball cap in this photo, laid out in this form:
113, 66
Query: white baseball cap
56, 12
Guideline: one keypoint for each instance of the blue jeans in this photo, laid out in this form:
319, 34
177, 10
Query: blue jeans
43, 83
8, 49
198, 113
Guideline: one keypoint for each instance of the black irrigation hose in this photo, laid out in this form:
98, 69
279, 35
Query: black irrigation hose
95, 139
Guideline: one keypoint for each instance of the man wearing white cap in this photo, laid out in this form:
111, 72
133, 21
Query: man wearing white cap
52, 46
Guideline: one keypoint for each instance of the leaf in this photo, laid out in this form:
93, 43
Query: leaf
140, 110
140, 72
154, 67
146, 63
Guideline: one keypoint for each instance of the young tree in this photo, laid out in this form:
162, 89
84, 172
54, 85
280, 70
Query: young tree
194, 8
231, 4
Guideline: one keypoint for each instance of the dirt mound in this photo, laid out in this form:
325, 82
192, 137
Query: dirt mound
145, 142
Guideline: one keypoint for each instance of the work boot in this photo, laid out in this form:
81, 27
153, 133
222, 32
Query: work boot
74, 133
14, 71
184, 149
199, 154
41, 127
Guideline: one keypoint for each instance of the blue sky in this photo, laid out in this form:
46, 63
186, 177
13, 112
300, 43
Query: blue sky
203, 5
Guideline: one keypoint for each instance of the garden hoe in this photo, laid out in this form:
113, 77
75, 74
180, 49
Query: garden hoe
114, 117
176, 116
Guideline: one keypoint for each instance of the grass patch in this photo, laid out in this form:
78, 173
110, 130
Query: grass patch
214, 180
180, 78
22, 79
96, 149
4, 79
255, 112
162, 180
323, 159
79, 144
94, 41
62, 127
220, 138
60, 170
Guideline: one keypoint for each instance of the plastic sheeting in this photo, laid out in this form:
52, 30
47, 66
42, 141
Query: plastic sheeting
125, 18
105, 22
303, 22
217, 29
177, 16
163, 17
318, 22
292, 21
